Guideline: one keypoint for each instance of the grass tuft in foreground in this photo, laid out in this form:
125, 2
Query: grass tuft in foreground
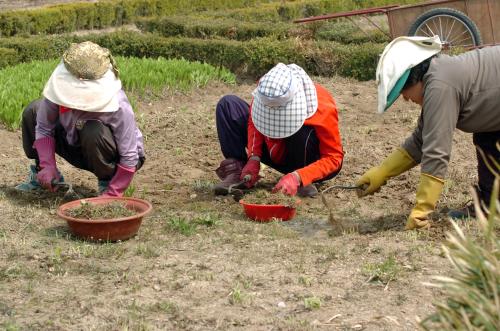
23, 83
473, 288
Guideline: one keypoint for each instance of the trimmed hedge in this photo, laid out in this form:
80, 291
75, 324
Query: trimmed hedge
194, 27
251, 58
287, 11
78, 16
348, 33
206, 28
8, 56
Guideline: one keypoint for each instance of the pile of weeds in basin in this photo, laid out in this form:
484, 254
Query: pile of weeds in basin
90, 211
24, 83
263, 197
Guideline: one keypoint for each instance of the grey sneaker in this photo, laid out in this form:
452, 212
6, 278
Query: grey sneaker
464, 213
32, 183
102, 186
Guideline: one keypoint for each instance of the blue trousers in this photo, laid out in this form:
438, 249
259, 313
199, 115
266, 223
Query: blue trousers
232, 113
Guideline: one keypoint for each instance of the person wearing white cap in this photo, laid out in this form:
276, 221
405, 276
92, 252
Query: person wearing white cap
455, 92
86, 118
291, 125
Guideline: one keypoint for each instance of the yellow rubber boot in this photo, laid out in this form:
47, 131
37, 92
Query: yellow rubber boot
428, 193
395, 164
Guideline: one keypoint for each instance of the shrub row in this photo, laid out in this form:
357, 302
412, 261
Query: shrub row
195, 26
251, 58
288, 11
77, 16
191, 27
348, 33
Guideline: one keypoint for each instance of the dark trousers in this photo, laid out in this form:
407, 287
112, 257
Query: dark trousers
486, 142
232, 113
96, 152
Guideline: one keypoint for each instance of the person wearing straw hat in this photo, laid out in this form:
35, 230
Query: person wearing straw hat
455, 92
86, 118
291, 126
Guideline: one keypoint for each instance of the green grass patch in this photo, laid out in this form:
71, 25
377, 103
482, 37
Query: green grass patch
21, 84
187, 226
312, 303
384, 272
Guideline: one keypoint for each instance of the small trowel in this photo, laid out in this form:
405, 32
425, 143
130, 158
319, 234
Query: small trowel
236, 192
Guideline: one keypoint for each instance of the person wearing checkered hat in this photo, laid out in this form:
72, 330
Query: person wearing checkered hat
86, 118
291, 126
460, 92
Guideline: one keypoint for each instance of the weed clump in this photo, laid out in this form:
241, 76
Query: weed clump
263, 197
90, 211
472, 289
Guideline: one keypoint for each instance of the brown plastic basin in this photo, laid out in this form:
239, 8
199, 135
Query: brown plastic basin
106, 229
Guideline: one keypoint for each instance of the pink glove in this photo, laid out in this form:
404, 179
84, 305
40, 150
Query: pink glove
252, 168
288, 184
46, 149
120, 181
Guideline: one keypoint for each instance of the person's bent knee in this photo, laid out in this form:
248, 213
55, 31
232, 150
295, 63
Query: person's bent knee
225, 103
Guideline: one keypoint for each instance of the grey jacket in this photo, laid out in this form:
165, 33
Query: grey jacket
460, 92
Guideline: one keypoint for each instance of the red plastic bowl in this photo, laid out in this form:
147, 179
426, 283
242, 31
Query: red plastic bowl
106, 229
267, 213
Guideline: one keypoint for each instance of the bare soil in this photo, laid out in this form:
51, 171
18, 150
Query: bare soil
28, 4
199, 264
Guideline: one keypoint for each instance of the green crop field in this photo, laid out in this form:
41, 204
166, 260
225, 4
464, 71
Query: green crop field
23, 83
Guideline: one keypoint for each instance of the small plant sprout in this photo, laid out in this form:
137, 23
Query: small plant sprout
384, 272
312, 303
237, 296
129, 192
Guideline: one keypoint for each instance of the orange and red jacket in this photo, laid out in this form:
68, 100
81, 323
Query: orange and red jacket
326, 125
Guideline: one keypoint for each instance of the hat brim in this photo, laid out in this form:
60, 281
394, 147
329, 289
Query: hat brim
396, 90
283, 121
100, 95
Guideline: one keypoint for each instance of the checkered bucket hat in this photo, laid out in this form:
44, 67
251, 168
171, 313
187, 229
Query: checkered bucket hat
283, 100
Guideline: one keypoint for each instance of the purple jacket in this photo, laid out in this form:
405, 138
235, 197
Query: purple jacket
127, 136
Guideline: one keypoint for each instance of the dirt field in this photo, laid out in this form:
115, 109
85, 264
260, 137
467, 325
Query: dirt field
199, 264
17, 4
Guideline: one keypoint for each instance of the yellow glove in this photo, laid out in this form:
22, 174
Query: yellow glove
395, 164
428, 193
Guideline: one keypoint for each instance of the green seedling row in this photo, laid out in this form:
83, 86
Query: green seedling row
21, 84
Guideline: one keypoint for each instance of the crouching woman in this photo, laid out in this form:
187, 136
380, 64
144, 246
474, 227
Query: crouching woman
291, 126
86, 118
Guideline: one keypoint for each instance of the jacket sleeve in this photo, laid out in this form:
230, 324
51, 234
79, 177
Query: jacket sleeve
255, 139
431, 142
124, 132
46, 118
330, 148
